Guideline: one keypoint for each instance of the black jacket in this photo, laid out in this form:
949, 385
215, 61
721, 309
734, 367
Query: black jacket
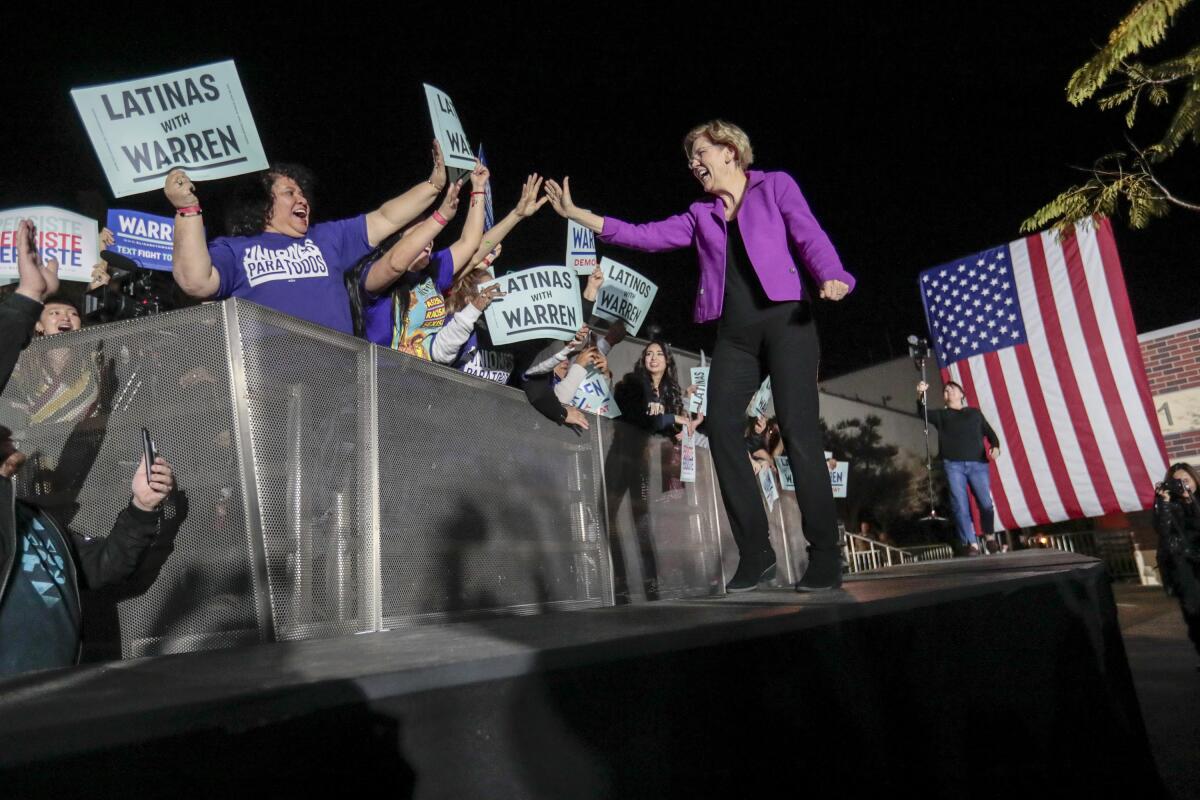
99, 562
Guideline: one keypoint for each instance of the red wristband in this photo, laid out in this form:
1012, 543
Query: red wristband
189, 211
439, 219
475, 193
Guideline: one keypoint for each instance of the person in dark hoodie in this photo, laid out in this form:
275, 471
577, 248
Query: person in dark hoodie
42, 564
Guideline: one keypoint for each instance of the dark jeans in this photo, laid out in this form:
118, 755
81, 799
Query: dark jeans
781, 342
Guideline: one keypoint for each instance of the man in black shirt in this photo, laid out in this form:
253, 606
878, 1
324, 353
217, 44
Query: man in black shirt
961, 433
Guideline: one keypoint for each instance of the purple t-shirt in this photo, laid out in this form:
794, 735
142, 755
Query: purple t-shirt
303, 277
411, 329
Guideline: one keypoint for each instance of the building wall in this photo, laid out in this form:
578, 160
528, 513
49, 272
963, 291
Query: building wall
891, 384
1172, 358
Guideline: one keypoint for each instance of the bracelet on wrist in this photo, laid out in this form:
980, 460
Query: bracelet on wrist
189, 211
434, 185
475, 193
439, 219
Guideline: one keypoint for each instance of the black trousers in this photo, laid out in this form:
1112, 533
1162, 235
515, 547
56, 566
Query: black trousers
780, 341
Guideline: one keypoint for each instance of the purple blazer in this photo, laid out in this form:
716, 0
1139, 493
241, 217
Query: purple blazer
776, 225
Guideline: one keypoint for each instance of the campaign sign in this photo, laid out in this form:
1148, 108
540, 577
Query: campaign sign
196, 119
73, 240
785, 473
538, 303
144, 238
838, 476
448, 130
594, 395
760, 401
698, 404
625, 295
766, 482
581, 249
687, 462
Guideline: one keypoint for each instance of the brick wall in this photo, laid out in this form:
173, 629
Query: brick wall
1172, 358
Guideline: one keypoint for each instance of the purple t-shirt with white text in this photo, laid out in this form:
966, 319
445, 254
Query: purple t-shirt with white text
302, 276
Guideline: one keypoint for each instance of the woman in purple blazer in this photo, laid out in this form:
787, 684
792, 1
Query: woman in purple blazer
750, 235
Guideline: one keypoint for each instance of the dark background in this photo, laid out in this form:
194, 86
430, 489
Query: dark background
919, 132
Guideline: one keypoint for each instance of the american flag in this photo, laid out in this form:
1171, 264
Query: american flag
1040, 335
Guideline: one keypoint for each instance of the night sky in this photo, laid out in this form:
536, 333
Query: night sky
919, 132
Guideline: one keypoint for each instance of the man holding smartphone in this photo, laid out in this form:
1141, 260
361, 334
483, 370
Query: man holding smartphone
42, 564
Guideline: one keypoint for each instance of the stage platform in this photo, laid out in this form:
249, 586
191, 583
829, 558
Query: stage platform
991, 677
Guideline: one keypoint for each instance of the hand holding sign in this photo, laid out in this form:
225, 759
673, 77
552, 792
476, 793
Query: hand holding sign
438, 176
180, 190
594, 282
625, 295
479, 177
486, 296
37, 280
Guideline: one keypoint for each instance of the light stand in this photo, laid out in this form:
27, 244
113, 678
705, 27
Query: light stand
918, 350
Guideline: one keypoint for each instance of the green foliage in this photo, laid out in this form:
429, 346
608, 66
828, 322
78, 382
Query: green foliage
1101, 196
1145, 26
1123, 181
877, 485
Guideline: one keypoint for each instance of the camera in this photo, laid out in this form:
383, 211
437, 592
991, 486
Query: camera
1175, 488
130, 293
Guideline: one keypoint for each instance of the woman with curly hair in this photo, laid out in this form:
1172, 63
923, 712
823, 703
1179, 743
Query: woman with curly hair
276, 255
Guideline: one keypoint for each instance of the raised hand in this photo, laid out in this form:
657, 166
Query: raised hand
480, 176
529, 202
922, 387
148, 495
437, 176
180, 190
560, 197
106, 238
37, 281
449, 206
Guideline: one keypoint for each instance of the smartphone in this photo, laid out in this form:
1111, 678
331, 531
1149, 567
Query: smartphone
148, 451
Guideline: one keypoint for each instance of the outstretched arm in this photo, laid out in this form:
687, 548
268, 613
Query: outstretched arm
472, 233
527, 206
399, 211
397, 260
668, 234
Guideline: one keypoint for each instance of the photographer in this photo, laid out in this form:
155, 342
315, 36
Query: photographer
42, 564
1177, 521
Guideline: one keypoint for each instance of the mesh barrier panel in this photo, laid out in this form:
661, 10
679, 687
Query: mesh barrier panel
76, 405
485, 506
331, 487
308, 411
784, 530
663, 533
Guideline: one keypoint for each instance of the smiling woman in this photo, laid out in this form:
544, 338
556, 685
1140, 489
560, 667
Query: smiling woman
277, 256
747, 235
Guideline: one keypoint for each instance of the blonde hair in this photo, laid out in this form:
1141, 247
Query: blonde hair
724, 133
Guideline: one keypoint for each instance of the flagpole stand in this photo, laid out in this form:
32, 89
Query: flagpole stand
918, 350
